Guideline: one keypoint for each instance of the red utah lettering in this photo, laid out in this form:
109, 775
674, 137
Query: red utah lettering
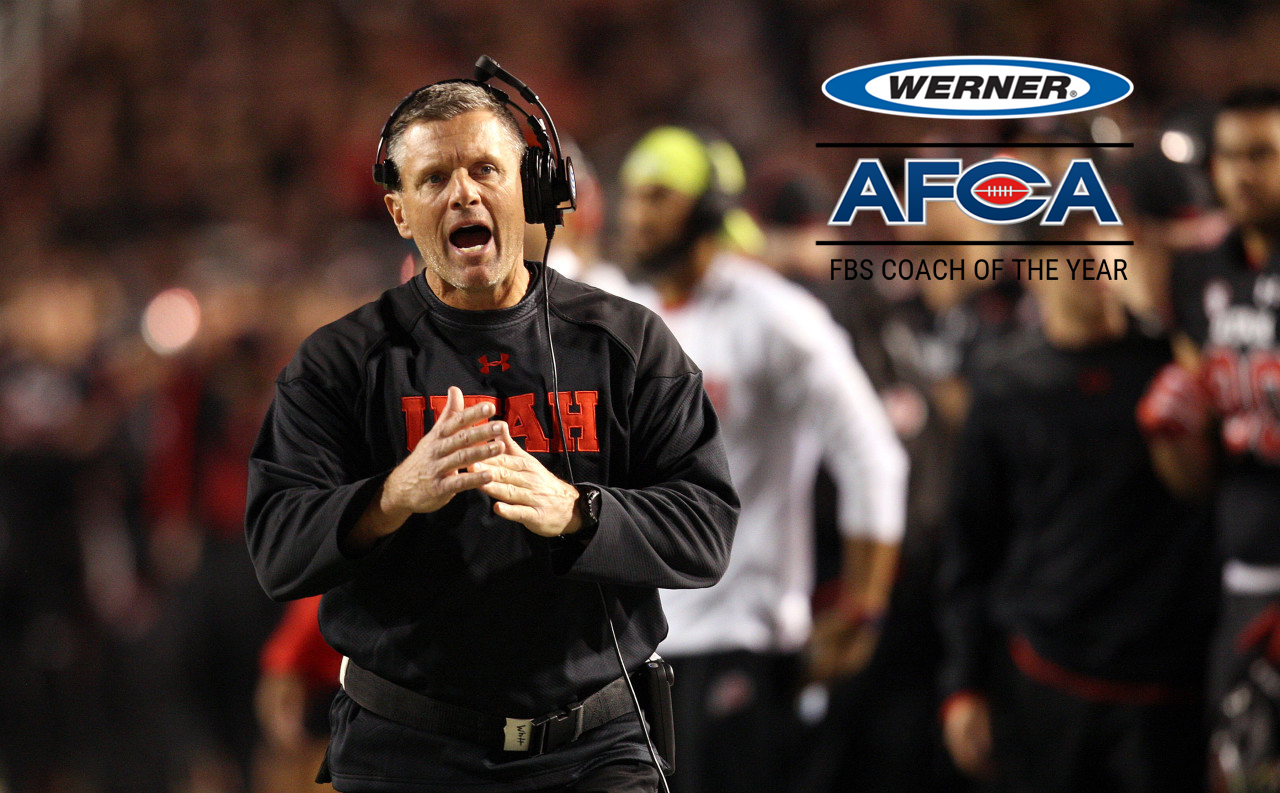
577, 407
583, 420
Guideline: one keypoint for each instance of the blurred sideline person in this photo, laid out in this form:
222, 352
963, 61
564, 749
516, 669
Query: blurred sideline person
1226, 300
880, 731
298, 681
789, 393
1076, 586
207, 414
474, 593
78, 607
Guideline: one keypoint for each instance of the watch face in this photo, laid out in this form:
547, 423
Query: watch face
591, 505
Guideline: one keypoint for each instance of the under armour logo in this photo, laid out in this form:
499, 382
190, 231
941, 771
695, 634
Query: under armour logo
487, 365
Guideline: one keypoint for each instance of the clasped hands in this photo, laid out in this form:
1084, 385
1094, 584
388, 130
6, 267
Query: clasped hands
465, 451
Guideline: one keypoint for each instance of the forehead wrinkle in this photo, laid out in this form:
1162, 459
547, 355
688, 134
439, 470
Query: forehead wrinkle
493, 129
454, 149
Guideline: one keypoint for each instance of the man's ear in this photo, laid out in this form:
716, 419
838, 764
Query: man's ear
396, 208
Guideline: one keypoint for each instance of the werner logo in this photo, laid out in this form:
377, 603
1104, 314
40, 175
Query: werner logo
996, 191
977, 87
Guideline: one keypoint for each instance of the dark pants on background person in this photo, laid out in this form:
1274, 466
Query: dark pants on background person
1047, 740
735, 722
1226, 660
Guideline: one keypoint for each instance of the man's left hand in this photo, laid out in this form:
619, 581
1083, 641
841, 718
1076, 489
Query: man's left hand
524, 491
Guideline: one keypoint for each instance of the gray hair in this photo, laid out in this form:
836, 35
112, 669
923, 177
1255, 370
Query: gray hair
443, 101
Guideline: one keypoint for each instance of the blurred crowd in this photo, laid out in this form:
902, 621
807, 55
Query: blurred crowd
191, 198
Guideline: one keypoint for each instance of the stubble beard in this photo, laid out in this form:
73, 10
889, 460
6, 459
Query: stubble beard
462, 277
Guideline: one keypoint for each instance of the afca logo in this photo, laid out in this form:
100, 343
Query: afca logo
993, 191
977, 87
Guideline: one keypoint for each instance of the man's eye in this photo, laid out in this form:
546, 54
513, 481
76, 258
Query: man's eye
487, 169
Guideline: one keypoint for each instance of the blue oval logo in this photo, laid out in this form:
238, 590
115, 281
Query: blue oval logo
977, 87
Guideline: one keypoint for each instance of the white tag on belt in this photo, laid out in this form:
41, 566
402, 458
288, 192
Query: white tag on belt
517, 735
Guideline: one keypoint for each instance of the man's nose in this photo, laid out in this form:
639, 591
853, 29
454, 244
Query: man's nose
463, 191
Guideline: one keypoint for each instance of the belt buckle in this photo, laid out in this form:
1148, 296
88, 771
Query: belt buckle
556, 729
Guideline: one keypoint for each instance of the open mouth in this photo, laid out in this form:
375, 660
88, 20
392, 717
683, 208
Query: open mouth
470, 238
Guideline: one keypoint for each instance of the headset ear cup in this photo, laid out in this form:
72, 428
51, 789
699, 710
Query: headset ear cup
538, 173
547, 188
708, 212
566, 186
550, 207
531, 183
387, 175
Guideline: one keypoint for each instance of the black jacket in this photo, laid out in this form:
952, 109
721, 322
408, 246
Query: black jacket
460, 604
1061, 532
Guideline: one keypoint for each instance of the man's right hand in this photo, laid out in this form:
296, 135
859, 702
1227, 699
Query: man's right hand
434, 472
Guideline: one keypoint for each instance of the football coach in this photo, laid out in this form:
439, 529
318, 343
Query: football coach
489, 529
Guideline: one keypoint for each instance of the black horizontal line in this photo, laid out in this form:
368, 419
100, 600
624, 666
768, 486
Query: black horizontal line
882, 145
1010, 243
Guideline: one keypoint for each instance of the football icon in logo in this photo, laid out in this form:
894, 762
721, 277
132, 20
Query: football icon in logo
1001, 191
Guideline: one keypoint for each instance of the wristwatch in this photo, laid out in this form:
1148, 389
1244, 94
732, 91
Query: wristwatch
588, 507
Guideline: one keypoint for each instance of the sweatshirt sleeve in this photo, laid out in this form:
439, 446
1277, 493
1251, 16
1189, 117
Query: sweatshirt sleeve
673, 525
303, 495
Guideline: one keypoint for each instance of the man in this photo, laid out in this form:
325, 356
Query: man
1226, 301
462, 567
1076, 587
789, 393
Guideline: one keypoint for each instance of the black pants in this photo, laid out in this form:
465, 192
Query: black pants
1049, 741
627, 776
734, 722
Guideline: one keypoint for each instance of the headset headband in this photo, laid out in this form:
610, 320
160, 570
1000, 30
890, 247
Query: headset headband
547, 175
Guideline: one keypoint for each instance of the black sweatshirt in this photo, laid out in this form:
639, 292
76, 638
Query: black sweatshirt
462, 605
1060, 531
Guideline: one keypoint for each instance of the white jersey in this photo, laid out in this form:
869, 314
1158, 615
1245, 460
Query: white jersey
789, 394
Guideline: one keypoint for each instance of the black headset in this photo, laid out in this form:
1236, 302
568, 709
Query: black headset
546, 176
708, 212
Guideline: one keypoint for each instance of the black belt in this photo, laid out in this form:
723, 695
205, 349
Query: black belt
535, 736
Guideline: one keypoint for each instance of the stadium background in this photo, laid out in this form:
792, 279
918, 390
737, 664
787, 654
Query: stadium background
185, 194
